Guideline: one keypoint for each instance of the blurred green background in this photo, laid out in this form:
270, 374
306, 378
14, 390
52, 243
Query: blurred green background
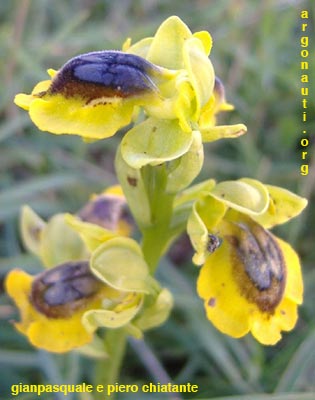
256, 54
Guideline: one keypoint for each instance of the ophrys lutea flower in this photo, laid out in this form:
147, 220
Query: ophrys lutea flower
167, 78
250, 279
96, 278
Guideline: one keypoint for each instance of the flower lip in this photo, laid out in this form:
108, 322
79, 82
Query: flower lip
259, 266
107, 211
60, 291
104, 74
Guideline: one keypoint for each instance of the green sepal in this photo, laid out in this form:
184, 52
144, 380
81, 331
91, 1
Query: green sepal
284, 205
95, 349
246, 195
139, 48
60, 243
194, 192
134, 189
92, 235
154, 142
155, 310
184, 202
167, 45
187, 167
205, 216
119, 263
31, 226
112, 319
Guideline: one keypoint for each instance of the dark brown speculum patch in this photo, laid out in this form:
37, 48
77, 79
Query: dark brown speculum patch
60, 291
258, 265
104, 74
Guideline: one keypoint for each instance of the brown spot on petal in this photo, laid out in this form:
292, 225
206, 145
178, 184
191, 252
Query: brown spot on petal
132, 181
212, 301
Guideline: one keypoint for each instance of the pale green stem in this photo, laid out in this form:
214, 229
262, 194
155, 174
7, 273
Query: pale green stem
108, 370
156, 237
155, 240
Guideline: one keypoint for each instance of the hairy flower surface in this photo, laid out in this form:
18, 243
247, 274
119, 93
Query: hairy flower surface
250, 280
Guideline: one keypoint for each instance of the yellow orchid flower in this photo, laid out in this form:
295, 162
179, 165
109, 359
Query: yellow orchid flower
250, 280
169, 76
52, 304
93, 95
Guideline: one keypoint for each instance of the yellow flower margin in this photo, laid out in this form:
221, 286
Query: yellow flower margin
119, 303
232, 313
58, 335
187, 91
232, 299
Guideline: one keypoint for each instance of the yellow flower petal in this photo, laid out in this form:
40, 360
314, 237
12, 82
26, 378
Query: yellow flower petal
201, 222
223, 132
294, 284
115, 190
267, 329
95, 120
18, 286
52, 334
59, 336
205, 39
234, 303
225, 308
23, 100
